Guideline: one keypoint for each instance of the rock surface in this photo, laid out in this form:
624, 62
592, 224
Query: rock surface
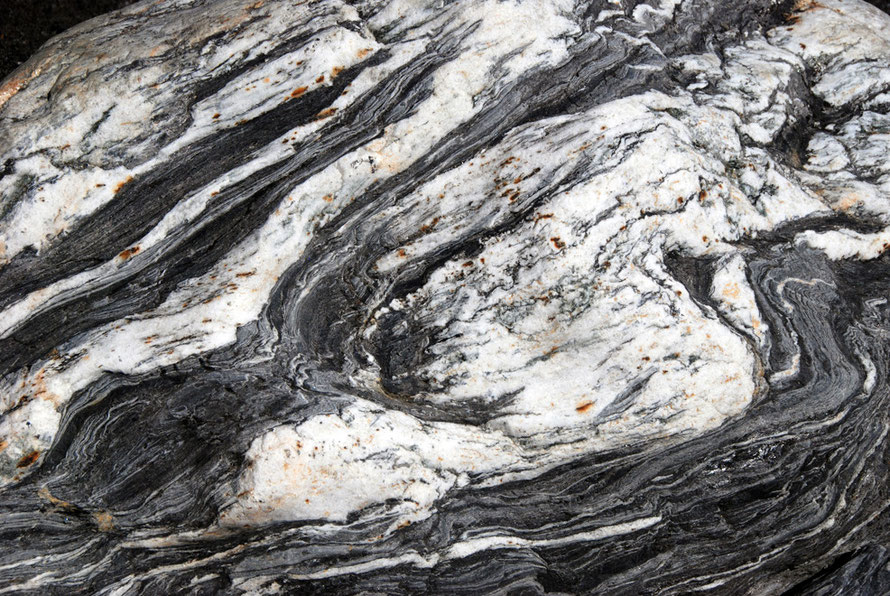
448, 297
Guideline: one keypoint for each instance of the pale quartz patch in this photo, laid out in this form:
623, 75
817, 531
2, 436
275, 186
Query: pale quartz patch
854, 82
862, 143
332, 465
827, 154
836, 35
847, 244
27, 430
835, 30
518, 333
734, 296
653, 16
752, 83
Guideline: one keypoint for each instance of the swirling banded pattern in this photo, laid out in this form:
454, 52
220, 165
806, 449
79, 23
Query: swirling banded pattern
401, 297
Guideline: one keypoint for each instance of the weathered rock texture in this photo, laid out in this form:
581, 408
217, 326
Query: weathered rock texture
448, 297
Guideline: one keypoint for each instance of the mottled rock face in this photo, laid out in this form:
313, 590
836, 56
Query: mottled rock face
448, 297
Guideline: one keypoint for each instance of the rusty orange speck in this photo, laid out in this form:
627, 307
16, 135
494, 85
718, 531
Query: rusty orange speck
126, 254
121, 184
28, 459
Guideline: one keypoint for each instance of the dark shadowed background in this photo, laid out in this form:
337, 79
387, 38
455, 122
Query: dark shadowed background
26, 24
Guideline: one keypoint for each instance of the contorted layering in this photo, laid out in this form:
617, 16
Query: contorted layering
428, 296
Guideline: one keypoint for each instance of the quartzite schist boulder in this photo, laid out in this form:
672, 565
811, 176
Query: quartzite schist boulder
404, 297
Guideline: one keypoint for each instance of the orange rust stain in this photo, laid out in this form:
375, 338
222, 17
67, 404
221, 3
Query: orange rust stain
320, 79
15, 84
28, 459
582, 408
216, 116
731, 290
245, 274
364, 52
44, 494
559, 244
401, 252
104, 520
849, 200
805, 5
129, 252
426, 228
298, 91
326, 113
335, 71
40, 389
3, 445
121, 184
12, 87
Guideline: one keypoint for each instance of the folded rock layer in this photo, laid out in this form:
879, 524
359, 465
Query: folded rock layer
403, 296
